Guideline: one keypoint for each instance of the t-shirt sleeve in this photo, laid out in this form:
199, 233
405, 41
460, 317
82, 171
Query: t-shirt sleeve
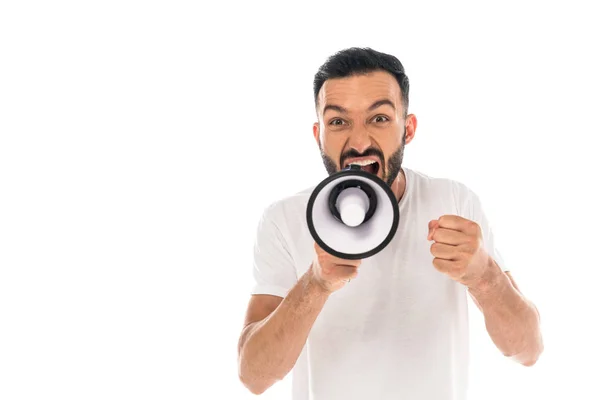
478, 215
274, 272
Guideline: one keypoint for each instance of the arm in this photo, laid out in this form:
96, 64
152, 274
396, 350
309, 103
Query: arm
511, 320
275, 332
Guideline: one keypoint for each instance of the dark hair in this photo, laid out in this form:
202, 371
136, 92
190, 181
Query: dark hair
355, 61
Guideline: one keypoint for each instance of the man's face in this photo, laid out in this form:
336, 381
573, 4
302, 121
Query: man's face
361, 120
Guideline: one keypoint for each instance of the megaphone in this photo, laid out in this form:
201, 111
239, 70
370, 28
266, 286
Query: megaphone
352, 214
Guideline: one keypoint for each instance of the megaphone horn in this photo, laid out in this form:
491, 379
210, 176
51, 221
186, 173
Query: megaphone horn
352, 214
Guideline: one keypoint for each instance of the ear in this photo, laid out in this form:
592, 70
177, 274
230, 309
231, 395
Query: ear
411, 127
317, 133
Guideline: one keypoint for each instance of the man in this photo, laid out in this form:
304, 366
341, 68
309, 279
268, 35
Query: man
394, 325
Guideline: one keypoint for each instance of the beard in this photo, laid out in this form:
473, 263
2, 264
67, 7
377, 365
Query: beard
390, 170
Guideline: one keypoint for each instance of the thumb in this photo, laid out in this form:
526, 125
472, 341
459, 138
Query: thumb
432, 225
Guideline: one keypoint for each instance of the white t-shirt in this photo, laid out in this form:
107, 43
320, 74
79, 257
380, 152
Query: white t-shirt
397, 331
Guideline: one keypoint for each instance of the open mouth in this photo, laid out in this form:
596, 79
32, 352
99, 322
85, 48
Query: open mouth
370, 166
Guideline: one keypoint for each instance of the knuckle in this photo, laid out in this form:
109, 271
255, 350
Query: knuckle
465, 255
467, 249
473, 226
472, 242
458, 267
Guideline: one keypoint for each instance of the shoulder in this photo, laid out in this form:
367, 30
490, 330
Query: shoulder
287, 209
451, 192
420, 180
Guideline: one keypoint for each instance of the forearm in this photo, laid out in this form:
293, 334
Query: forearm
271, 347
511, 320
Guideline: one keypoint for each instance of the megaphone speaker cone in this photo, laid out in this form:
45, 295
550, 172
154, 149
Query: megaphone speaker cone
352, 214
352, 204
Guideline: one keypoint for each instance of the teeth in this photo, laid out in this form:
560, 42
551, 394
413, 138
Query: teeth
362, 163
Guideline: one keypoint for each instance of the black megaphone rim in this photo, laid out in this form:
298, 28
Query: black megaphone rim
350, 171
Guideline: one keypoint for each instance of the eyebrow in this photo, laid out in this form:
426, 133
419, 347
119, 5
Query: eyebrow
342, 110
382, 102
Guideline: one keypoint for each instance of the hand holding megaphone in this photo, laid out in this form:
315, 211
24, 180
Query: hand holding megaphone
332, 272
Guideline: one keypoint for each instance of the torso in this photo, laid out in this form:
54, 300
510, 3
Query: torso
399, 330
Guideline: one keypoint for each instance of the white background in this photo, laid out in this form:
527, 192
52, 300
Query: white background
140, 141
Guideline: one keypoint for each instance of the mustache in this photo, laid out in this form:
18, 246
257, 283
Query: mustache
371, 151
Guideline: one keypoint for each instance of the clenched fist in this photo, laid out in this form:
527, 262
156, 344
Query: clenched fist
331, 272
458, 249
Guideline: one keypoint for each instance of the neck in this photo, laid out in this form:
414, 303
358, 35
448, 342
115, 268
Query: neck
399, 185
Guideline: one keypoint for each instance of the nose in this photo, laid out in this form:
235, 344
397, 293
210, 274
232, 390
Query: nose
359, 140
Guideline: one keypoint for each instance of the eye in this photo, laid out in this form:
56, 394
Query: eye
336, 122
381, 118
